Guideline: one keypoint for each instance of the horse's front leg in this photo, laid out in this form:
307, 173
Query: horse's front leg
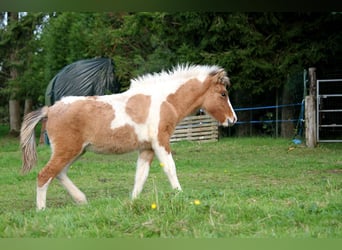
143, 166
168, 165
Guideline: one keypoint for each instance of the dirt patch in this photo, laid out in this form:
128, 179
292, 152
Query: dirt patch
334, 171
104, 180
329, 171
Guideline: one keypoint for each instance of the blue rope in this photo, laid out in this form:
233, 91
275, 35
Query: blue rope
266, 121
268, 107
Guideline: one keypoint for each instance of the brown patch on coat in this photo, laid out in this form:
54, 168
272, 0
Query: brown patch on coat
181, 101
138, 107
216, 104
167, 124
70, 127
147, 155
80, 120
120, 140
216, 99
178, 105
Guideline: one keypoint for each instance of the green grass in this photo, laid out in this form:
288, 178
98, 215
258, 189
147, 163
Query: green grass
247, 188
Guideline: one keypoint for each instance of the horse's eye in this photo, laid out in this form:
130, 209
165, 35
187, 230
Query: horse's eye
223, 94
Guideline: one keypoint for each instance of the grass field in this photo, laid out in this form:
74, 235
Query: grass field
233, 188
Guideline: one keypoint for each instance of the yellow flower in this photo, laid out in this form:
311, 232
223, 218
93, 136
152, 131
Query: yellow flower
153, 206
197, 202
161, 164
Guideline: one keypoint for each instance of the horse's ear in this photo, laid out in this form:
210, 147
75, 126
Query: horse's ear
221, 77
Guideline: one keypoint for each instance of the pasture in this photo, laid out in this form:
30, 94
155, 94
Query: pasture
233, 188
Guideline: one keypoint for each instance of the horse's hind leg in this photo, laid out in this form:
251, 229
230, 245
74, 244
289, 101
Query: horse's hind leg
61, 158
41, 195
78, 196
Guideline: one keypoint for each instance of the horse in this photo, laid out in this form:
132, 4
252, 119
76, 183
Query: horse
143, 118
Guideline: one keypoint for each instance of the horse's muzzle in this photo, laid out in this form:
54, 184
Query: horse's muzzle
231, 122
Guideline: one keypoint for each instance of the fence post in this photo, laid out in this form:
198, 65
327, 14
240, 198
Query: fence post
310, 111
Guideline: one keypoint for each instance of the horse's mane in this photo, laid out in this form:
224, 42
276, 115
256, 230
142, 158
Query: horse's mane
178, 74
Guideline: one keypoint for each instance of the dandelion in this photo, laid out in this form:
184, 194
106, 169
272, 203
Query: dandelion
161, 164
197, 202
153, 205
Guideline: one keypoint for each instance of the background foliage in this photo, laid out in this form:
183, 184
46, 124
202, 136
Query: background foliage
259, 50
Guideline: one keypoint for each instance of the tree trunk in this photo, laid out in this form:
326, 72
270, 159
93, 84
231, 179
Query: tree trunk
287, 127
14, 111
28, 106
14, 105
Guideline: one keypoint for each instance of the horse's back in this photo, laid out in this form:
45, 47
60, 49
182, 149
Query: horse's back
100, 124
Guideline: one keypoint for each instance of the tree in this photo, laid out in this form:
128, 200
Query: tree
70, 36
16, 52
14, 105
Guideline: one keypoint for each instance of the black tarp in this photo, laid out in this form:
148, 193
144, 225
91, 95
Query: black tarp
83, 78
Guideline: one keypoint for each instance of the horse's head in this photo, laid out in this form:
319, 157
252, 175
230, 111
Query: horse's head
216, 100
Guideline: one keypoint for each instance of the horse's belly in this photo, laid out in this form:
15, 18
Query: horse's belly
120, 140
117, 148
114, 149
117, 145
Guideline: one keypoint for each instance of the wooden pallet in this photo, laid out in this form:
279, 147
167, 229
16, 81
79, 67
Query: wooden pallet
196, 128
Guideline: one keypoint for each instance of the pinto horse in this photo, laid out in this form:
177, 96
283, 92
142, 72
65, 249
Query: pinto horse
142, 118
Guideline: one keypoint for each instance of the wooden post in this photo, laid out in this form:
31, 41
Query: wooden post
312, 80
310, 111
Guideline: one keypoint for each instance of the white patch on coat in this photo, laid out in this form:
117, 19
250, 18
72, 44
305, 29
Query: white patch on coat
229, 121
143, 167
78, 196
169, 166
178, 75
41, 195
71, 99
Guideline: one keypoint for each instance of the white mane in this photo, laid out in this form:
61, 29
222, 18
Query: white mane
178, 75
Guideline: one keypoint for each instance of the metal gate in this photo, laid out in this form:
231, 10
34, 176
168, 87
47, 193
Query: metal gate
329, 110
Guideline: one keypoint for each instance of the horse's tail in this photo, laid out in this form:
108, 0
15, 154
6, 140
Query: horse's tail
27, 138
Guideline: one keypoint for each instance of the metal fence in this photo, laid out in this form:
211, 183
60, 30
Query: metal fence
329, 110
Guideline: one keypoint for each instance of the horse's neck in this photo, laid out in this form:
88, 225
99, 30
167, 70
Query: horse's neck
187, 99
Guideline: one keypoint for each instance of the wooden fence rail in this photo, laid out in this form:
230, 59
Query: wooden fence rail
196, 128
